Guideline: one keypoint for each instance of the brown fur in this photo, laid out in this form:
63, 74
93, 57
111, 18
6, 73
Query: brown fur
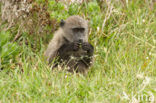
65, 35
58, 41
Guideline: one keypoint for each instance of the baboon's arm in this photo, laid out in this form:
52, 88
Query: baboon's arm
85, 63
67, 49
64, 50
90, 49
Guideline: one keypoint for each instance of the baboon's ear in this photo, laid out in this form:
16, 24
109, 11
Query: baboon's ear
62, 23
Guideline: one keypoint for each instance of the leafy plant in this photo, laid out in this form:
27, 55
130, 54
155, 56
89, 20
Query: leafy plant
8, 50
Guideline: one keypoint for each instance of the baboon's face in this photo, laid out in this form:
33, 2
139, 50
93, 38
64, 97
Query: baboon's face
75, 28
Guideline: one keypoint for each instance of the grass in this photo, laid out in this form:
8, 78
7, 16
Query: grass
124, 68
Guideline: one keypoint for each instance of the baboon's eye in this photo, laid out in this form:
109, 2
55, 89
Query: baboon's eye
75, 30
81, 29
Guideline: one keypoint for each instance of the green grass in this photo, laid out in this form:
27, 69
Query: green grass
124, 68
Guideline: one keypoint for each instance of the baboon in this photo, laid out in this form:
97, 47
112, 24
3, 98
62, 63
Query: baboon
70, 45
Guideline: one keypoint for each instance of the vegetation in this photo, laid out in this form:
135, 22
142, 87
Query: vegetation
124, 69
8, 50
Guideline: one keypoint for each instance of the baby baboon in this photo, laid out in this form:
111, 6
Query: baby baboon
70, 45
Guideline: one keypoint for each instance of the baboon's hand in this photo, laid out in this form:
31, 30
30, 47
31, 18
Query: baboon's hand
76, 46
87, 47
